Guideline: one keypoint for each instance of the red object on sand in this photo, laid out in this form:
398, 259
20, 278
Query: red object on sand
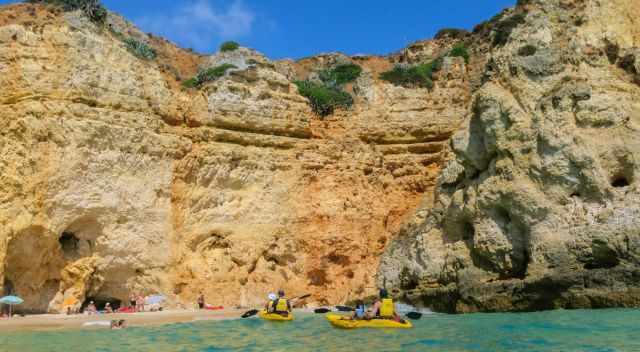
214, 308
126, 310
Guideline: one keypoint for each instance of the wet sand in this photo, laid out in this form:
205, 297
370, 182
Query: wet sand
47, 322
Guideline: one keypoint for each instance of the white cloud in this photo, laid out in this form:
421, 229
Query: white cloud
199, 24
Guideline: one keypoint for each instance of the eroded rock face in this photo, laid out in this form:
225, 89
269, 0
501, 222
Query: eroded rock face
539, 206
116, 179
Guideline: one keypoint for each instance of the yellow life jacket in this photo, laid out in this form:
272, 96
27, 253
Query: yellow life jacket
282, 305
387, 308
270, 306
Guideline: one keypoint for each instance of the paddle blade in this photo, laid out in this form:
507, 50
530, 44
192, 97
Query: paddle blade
414, 315
322, 310
250, 313
303, 297
344, 309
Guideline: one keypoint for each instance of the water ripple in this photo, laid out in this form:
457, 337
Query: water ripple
591, 331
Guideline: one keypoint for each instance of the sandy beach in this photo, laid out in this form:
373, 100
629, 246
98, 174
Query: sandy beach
47, 322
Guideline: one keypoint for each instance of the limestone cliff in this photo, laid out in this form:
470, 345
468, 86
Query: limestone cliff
116, 179
511, 184
539, 206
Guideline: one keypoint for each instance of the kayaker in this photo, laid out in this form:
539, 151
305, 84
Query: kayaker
269, 306
360, 312
281, 305
384, 308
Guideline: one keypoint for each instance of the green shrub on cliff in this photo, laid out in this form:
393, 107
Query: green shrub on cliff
340, 75
417, 76
140, 49
324, 99
229, 46
460, 50
92, 8
213, 73
208, 75
190, 83
454, 33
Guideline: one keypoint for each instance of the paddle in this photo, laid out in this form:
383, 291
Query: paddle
302, 297
250, 313
253, 312
321, 310
344, 309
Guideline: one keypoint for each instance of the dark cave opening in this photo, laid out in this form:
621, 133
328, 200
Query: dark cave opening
69, 243
620, 181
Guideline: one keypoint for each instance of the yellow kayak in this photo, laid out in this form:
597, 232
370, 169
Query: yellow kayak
275, 316
342, 322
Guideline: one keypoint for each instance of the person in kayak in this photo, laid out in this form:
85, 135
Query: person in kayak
281, 305
360, 312
384, 308
269, 306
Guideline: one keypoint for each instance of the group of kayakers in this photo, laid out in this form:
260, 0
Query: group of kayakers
382, 308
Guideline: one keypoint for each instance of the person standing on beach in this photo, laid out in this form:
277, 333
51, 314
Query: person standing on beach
132, 301
140, 303
201, 300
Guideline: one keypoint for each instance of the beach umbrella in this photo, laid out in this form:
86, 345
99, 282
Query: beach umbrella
11, 301
155, 299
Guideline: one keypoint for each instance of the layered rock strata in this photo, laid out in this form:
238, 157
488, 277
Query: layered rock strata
115, 179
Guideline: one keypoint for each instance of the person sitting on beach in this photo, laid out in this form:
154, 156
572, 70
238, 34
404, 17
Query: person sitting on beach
384, 308
118, 324
140, 304
91, 308
107, 308
281, 305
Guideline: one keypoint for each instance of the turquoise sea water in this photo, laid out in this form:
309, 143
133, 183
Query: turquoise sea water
595, 330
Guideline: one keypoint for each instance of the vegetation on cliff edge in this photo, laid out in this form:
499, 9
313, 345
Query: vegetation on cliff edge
208, 75
416, 76
421, 75
140, 49
93, 9
328, 94
340, 75
324, 99
229, 46
460, 50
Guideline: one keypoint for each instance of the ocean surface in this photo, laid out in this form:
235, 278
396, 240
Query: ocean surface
582, 330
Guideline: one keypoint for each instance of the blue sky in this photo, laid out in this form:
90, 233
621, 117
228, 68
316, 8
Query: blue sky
288, 28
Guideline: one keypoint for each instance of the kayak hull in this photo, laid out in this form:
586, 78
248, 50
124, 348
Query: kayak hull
275, 317
343, 322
